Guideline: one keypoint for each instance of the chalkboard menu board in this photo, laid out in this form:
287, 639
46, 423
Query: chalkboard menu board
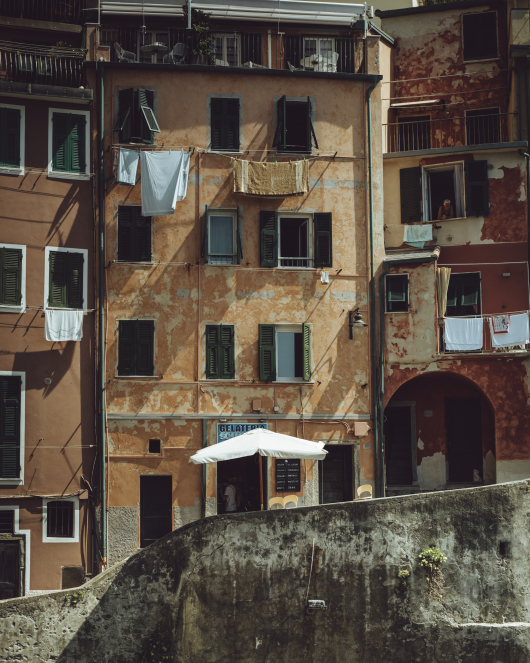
287, 475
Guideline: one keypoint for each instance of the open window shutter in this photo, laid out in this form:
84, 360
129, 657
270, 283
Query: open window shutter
306, 329
232, 124
477, 198
212, 352
227, 352
10, 137
58, 279
10, 276
239, 233
125, 118
125, 233
75, 280
10, 395
60, 142
76, 139
323, 239
144, 347
127, 347
143, 236
144, 100
280, 137
204, 233
217, 121
470, 289
410, 193
311, 137
147, 107
267, 353
269, 238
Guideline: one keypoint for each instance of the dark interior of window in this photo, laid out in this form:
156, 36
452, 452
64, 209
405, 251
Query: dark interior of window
397, 295
60, 519
442, 186
480, 35
155, 508
294, 242
154, 446
414, 133
398, 446
296, 126
482, 126
463, 295
7, 522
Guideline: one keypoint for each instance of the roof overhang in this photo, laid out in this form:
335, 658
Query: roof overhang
400, 257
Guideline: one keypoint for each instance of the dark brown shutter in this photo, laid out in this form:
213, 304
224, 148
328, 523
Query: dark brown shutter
410, 193
477, 194
10, 397
10, 276
226, 348
126, 347
323, 239
269, 238
212, 352
145, 347
267, 353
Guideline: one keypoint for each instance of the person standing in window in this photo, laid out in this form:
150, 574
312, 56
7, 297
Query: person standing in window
446, 211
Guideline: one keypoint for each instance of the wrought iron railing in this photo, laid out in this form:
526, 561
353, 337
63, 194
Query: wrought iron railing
424, 134
24, 63
487, 345
317, 53
56, 11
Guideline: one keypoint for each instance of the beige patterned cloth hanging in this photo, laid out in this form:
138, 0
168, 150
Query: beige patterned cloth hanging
260, 178
442, 284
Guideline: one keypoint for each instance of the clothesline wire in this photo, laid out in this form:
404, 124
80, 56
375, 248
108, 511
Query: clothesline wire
41, 308
231, 155
452, 93
428, 78
486, 316
478, 264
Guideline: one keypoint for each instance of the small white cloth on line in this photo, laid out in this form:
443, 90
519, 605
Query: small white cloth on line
127, 167
518, 332
164, 181
418, 235
463, 334
62, 325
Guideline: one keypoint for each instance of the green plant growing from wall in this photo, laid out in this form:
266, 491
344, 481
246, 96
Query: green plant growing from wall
154, 651
73, 599
404, 576
199, 38
431, 559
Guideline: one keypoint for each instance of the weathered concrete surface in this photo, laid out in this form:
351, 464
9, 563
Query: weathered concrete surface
234, 588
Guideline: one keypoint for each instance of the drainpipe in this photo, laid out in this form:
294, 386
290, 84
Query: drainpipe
204, 444
103, 415
382, 370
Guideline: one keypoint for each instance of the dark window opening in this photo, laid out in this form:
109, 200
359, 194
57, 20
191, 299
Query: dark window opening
155, 446
480, 35
10, 402
482, 126
7, 522
442, 187
397, 293
136, 121
294, 243
463, 295
224, 124
464, 438
60, 519
400, 454
294, 128
414, 133
10, 568
155, 508
65, 279
335, 475
504, 548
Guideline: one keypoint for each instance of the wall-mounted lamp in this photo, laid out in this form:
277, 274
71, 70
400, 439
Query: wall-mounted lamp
356, 321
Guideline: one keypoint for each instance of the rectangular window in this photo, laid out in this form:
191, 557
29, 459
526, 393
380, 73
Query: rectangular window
136, 121
156, 507
7, 521
227, 49
134, 234
224, 124
397, 293
477, 188
12, 124
285, 353
319, 54
414, 133
60, 520
11, 427
12, 277
482, 126
66, 278
463, 295
68, 146
294, 126
440, 184
480, 36
222, 242
410, 194
220, 363
136, 347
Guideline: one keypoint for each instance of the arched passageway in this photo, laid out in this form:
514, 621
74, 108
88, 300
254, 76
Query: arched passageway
439, 433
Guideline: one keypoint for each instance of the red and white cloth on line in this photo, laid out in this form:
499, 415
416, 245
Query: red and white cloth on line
518, 332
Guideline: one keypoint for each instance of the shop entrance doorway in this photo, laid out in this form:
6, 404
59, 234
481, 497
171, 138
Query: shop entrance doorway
335, 474
243, 474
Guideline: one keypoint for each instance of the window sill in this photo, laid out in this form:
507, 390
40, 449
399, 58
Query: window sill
6, 170
12, 482
492, 59
65, 539
397, 312
61, 308
83, 177
210, 151
135, 377
292, 381
454, 218
12, 309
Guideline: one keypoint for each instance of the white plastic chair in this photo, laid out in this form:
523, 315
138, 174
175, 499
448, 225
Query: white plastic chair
176, 55
123, 55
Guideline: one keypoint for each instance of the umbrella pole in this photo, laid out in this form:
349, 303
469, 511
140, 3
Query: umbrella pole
260, 481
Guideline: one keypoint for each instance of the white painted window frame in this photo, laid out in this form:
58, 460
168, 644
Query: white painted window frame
60, 539
20, 480
27, 534
68, 176
426, 189
17, 309
310, 239
224, 58
290, 328
47, 251
7, 170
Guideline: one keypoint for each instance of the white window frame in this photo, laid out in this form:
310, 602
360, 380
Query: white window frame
7, 170
289, 328
60, 539
426, 192
20, 480
224, 60
222, 212
47, 251
68, 176
493, 57
4, 308
318, 40
27, 543
310, 240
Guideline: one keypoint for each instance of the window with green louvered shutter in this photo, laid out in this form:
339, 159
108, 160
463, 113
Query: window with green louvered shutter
410, 194
126, 347
477, 194
220, 363
267, 353
323, 239
134, 234
10, 409
269, 238
65, 280
9, 137
10, 276
306, 333
136, 347
397, 293
69, 143
224, 124
136, 120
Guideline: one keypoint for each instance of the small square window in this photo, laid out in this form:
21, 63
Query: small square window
397, 293
285, 352
155, 446
294, 125
66, 278
12, 129
480, 36
136, 339
440, 184
60, 519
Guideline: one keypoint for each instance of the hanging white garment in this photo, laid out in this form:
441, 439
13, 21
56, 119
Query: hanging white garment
518, 332
164, 181
324, 277
464, 334
417, 235
127, 167
62, 325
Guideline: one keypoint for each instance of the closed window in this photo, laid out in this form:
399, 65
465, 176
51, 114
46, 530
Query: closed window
397, 293
294, 126
289, 240
12, 139
222, 241
68, 144
224, 124
318, 50
285, 353
463, 295
12, 277
220, 352
66, 279
136, 347
480, 36
134, 234
11, 426
136, 121
60, 520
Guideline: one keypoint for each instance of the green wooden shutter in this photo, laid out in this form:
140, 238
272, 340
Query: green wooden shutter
125, 233
477, 195
216, 123
231, 125
74, 280
57, 297
60, 131
239, 233
77, 144
269, 238
143, 236
127, 347
145, 332
306, 330
226, 352
311, 136
280, 136
322, 223
451, 292
144, 99
10, 276
10, 397
212, 352
10, 137
410, 194
470, 289
125, 118
68, 143
267, 353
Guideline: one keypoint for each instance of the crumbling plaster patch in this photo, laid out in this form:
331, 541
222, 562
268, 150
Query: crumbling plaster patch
122, 533
431, 472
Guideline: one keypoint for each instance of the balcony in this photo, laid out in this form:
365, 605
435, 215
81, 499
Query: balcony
423, 133
55, 11
487, 345
45, 65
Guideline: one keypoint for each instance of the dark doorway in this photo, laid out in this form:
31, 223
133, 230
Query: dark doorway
442, 184
156, 517
9, 569
398, 446
335, 475
243, 474
464, 438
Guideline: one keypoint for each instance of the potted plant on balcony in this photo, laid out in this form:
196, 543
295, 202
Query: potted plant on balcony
199, 39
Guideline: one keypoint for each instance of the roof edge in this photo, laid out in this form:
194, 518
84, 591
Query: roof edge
463, 4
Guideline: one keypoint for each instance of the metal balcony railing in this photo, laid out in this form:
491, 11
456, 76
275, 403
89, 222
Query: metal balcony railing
487, 346
24, 63
425, 134
56, 11
317, 53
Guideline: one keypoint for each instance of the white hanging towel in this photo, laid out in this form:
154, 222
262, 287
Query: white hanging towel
62, 325
463, 334
164, 181
127, 167
418, 235
518, 333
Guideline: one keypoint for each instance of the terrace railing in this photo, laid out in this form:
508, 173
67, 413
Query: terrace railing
56, 11
487, 345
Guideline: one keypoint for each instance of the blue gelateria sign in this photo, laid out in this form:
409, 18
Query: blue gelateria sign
227, 431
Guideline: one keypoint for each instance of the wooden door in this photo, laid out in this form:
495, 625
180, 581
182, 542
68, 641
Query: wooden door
335, 474
399, 446
463, 430
9, 569
156, 517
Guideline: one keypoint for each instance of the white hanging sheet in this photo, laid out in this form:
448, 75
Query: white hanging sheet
164, 181
61, 325
464, 334
127, 167
518, 332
